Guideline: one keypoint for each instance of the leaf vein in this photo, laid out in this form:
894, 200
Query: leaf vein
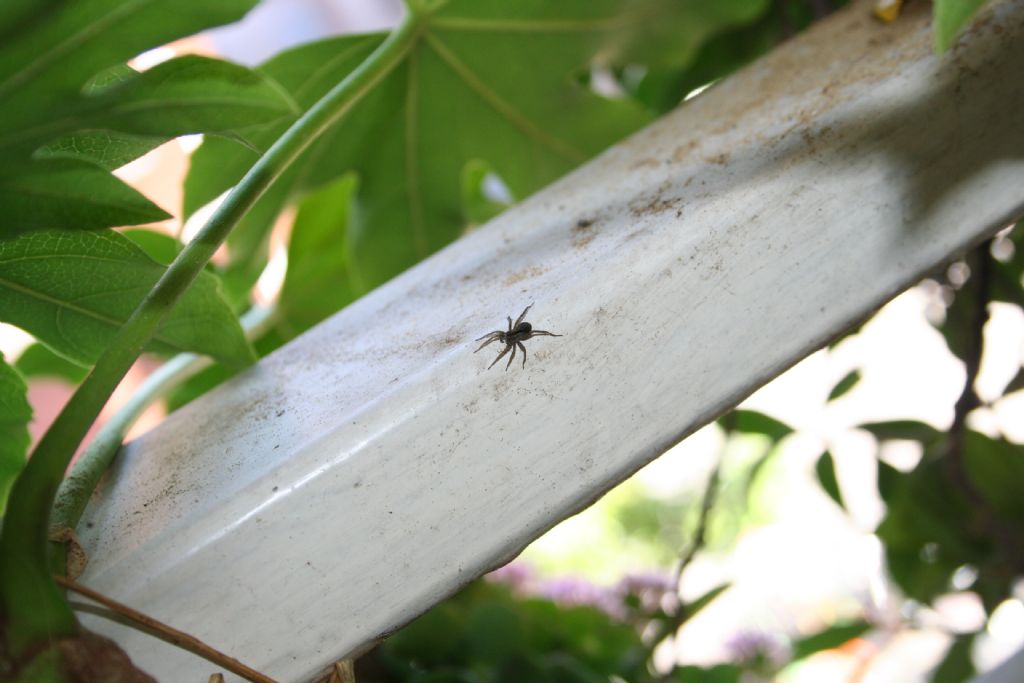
73, 41
515, 117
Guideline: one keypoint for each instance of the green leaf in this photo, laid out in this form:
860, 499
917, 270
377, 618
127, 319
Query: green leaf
1015, 384
191, 94
844, 385
957, 666
321, 278
826, 471
158, 246
107, 149
950, 17
927, 529
73, 290
68, 97
692, 608
493, 631
832, 637
996, 468
62, 194
15, 413
427, 641
890, 480
39, 361
720, 673
663, 88
564, 668
753, 422
458, 97
903, 430
51, 49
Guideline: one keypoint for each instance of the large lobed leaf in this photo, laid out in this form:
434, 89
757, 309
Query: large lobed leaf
15, 414
67, 93
55, 172
73, 290
72, 112
318, 256
502, 83
67, 195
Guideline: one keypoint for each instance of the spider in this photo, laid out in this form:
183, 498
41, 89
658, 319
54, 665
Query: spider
516, 334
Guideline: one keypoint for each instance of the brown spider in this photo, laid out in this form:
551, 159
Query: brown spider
516, 334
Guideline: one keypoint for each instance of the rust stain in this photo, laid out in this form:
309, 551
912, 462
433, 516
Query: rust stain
524, 274
683, 152
582, 241
584, 232
647, 162
652, 206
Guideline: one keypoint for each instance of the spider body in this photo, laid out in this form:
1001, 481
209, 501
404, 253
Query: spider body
513, 338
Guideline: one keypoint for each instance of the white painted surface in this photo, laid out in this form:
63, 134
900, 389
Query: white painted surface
370, 468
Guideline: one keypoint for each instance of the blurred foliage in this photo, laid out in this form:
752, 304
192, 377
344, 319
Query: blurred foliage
487, 634
490, 633
960, 507
638, 528
15, 414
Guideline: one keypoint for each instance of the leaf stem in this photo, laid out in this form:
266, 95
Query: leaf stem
81, 481
30, 601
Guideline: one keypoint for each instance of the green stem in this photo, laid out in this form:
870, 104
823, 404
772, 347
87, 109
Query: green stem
31, 602
81, 481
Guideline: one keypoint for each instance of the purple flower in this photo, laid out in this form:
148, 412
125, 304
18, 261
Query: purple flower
652, 592
640, 595
755, 651
516, 575
571, 590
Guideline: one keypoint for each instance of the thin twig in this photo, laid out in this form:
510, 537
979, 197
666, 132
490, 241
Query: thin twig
707, 502
164, 632
687, 555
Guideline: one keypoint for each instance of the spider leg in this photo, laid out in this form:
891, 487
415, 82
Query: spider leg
522, 315
543, 333
492, 337
523, 349
512, 357
499, 357
489, 334
509, 323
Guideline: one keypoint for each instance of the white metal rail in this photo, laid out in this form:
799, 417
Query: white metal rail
373, 466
